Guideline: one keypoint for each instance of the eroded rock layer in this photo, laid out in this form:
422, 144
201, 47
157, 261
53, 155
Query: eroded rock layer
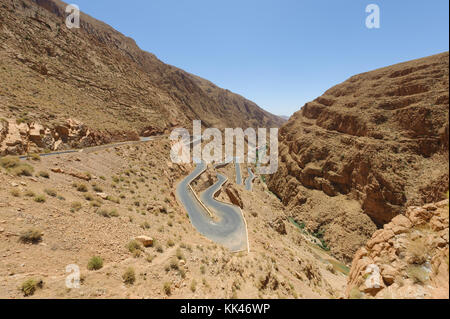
357, 156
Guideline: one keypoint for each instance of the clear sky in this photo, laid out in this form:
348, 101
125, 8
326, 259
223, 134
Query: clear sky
278, 53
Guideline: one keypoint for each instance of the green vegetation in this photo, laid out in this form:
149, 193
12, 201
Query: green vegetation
50, 192
108, 213
355, 293
44, 174
30, 286
39, 199
167, 288
75, 207
32, 236
193, 285
13, 165
417, 273
95, 263
34, 157
80, 187
129, 276
135, 248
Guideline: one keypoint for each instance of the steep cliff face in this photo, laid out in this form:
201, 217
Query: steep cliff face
368, 147
408, 258
49, 73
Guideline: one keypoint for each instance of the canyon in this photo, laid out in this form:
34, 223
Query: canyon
358, 207
356, 157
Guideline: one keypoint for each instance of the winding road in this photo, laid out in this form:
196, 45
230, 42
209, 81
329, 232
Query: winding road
229, 228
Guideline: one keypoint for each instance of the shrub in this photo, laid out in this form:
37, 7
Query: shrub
417, 273
113, 213
159, 249
167, 288
193, 285
145, 225
30, 286
97, 188
170, 243
75, 206
23, 170
15, 193
149, 258
96, 203
81, 188
129, 276
418, 250
44, 174
174, 264
202, 269
95, 263
29, 193
32, 236
179, 254
50, 192
39, 199
108, 214
34, 157
9, 161
113, 199
13, 164
88, 197
133, 246
355, 293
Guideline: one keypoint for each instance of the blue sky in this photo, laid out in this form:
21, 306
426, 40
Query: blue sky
278, 53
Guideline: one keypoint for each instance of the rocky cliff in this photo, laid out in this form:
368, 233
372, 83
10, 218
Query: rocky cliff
408, 258
96, 75
361, 153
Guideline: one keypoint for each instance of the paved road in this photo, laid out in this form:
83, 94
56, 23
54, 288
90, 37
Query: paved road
229, 229
97, 148
249, 180
238, 172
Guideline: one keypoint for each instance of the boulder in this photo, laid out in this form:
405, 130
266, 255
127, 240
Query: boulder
278, 225
145, 240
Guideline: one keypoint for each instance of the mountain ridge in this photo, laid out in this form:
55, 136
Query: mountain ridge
100, 77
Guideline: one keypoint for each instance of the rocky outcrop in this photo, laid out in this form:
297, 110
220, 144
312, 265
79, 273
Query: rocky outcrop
145, 240
233, 195
278, 225
373, 145
408, 258
21, 138
83, 176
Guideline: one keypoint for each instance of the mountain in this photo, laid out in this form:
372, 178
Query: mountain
101, 79
366, 149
